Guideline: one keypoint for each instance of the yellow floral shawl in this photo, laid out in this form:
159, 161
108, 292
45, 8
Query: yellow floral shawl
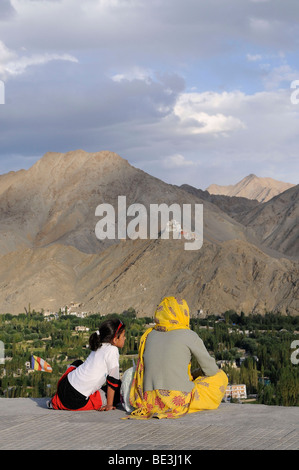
171, 314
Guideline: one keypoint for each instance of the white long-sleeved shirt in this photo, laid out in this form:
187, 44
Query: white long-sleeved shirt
92, 374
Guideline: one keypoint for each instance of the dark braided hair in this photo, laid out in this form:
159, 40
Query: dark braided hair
106, 332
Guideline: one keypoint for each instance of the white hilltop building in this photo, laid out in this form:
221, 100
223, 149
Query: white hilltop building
175, 227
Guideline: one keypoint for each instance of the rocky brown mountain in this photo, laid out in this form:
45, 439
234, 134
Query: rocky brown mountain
55, 201
276, 222
232, 205
50, 255
252, 187
273, 224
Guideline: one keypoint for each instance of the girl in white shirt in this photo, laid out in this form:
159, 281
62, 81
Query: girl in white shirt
82, 387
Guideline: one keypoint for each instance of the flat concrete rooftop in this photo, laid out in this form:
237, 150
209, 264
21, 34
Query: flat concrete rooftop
27, 424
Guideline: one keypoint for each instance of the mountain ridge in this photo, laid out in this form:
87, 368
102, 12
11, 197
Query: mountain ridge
273, 223
50, 255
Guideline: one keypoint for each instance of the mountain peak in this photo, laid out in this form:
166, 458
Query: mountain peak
252, 187
75, 162
80, 156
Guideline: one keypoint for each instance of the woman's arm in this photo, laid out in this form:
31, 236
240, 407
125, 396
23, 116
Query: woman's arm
205, 360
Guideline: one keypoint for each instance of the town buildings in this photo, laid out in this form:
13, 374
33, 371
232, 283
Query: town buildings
237, 391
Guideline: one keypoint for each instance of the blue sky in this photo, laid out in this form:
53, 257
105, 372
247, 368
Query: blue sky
191, 91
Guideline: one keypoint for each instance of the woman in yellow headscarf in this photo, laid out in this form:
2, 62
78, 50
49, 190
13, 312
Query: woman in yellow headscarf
163, 386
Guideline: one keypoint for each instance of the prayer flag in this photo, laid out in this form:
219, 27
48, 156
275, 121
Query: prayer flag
37, 363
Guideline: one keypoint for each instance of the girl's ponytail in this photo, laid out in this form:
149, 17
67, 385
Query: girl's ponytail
95, 341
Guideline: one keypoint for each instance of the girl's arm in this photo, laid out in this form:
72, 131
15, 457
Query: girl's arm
110, 397
113, 382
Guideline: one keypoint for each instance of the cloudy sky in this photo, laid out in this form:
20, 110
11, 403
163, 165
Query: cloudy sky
190, 91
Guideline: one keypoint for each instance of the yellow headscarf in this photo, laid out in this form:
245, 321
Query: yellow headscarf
171, 314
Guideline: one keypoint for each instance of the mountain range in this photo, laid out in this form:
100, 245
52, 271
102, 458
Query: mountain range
50, 255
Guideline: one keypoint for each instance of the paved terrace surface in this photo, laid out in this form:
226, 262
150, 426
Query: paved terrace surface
27, 424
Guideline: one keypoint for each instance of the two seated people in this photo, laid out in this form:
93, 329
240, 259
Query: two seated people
162, 386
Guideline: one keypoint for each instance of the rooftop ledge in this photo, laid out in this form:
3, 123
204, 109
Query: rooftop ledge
27, 424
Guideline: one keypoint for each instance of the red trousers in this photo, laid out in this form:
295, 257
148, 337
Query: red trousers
94, 401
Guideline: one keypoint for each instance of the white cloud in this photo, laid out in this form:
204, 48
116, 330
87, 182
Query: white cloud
278, 76
177, 161
5, 54
133, 73
254, 57
257, 116
206, 113
259, 25
11, 64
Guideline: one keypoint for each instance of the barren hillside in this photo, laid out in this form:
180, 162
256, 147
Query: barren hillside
276, 222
